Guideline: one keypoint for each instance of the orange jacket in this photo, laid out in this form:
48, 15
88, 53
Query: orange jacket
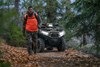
31, 23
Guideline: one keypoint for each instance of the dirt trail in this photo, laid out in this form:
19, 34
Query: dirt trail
19, 58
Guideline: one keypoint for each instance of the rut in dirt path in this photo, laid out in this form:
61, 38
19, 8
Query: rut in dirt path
19, 57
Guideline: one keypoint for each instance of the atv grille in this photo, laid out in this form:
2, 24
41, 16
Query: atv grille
53, 34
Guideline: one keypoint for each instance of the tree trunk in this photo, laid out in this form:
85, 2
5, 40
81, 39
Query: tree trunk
84, 39
17, 5
97, 38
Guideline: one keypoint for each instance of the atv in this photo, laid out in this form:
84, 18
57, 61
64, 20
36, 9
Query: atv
51, 35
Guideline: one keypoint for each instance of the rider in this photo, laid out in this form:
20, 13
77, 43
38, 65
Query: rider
30, 29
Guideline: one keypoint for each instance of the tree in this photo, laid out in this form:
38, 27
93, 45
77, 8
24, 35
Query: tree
87, 20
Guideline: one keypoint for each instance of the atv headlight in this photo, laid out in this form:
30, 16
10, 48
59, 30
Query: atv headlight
61, 33
45, 33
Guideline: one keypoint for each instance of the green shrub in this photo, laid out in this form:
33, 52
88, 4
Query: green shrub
15, 36
4, 63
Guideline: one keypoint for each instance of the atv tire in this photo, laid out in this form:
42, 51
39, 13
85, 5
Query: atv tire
62, 45
40, 45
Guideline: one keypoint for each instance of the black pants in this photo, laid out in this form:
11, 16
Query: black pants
31, 38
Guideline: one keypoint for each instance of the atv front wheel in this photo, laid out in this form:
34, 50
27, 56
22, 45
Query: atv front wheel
40, 45
62, 45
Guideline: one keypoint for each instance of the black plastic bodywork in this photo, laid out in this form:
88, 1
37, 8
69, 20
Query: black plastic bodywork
53, 39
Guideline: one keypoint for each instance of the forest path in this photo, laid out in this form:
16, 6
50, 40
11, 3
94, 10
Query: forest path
19, 57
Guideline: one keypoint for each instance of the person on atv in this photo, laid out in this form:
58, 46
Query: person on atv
30, 29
